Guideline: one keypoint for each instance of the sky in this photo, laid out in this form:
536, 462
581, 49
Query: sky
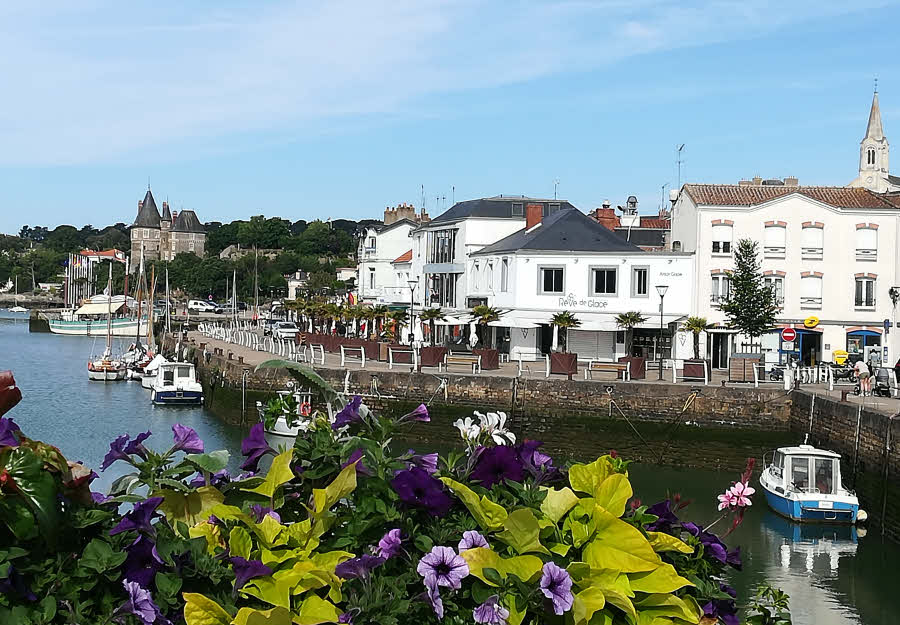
338, 109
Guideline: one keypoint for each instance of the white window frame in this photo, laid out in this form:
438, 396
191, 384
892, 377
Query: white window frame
811, 292
541, 270
864, 303
774, 241
372, 278
635, 282
812, 242
504, 275
720, 287
864, 249
721, 244
778, 283
592, 277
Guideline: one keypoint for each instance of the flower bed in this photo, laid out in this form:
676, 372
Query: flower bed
341, 528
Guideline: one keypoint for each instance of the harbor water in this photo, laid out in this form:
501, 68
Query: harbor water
833, 575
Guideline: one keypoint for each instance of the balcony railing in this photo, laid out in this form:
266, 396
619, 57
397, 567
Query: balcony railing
810, 302
866, 254
773, 251
811, 253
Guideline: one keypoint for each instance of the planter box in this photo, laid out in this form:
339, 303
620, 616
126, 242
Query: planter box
383, 350
740, 367
637, 366
490, 358
562, 363
694, 369
432, 356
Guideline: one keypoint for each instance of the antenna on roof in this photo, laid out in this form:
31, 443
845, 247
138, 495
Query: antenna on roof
678, 162
555, 187
423, 196
453, 194
148, 179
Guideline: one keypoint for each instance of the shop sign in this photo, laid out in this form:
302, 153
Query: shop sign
811, 322
571, 301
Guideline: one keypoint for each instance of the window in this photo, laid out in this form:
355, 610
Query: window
371, 243
811, 242
800, 473
603, 281
865, 293
811, 291
721, 287
146, 234
866, 243
776, 283
774, 242
639, 282
504, 275
191, 246
518, 209
371, 277
824, 475
443, 289
721, 238
173, 245
552, 280
476, 283
489, 276
870, 156
442, 244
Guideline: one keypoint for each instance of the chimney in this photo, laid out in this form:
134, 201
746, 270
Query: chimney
174, 215
534, 213
757, 180
791, 181
606, 217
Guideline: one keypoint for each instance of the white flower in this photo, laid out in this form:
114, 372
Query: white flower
468, 429
494, 424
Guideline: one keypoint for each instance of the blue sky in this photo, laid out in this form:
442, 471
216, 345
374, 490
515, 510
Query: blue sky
337, 109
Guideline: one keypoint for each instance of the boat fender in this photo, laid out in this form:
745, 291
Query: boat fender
305, 409
862, 516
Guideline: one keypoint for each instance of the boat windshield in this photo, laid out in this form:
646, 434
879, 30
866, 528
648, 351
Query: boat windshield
824, 475
800, 472
184, 371
168, 376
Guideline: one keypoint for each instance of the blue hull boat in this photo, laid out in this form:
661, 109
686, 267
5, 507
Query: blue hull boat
176, 383
176, 397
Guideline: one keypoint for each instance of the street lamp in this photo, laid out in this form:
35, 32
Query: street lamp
661, 289
412, 289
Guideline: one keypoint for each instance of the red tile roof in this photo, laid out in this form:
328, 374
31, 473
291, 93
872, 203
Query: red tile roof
404, 258
739, 195
655, 222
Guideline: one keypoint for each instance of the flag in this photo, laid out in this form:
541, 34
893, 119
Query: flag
351, 299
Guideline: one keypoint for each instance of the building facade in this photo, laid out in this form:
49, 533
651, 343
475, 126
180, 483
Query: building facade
164, 236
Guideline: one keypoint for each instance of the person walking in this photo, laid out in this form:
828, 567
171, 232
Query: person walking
864, 376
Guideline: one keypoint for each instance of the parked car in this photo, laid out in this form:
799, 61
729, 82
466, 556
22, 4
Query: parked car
285, 330
268, 325
201, 306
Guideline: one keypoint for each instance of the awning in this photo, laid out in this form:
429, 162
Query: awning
721, 330
598, 326
513, 322
652, 321
449, 320
99, 309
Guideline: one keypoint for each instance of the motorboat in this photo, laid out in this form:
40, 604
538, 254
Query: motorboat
803, 483
176, 383
148, 373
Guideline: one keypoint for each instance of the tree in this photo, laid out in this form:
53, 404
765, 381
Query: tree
695, 325
431, 316
565, 320
750, 305
483, 315
628, 321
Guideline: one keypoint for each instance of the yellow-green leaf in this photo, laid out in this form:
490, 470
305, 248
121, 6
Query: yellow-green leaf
515, 617
662, 580
559, 548
199, 610
189, 508
621, 601
668, 605
586, 603
522, 532
316, 610
558, 502
240, 543
619, 546
666, 542
274, 589
613, 493
275, 616
211, 533
480, 558
343, 485
279, 473
489, 515
230, 513
587, 478
269, 531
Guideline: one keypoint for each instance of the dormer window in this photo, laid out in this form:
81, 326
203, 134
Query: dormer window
518, 209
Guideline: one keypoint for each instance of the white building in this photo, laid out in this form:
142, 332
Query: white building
379, 246
830, 253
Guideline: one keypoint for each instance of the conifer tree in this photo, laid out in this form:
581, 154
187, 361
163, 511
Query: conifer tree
750, 305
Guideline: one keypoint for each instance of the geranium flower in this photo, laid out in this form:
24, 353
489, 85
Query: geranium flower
136, 446
349, 414
9, 432
491, 612
390, 544
140, 604
255, 447
444, 567
259, 512
142, 562
245, 570
358, 568
417, 488
494, 424
186, 440
468, 429
470, 540
557, 587
726, 500
742, 492
116, 452
139, 518
497, 464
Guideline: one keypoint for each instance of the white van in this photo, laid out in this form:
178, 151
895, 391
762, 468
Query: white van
201, 306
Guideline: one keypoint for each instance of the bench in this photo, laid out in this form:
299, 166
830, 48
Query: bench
356, 352
401, 350
615, 367
468, 360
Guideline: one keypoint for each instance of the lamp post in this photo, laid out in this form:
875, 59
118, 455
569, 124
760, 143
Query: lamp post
412, 289
661, 289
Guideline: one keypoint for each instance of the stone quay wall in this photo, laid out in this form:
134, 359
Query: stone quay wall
869, 444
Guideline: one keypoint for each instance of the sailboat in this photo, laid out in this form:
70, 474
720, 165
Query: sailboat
106, 368
17, 308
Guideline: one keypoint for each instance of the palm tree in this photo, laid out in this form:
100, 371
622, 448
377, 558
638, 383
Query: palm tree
368, 313
628, 321
483, 315
397, 319
565, 320
431, 315
379, 313
695, 325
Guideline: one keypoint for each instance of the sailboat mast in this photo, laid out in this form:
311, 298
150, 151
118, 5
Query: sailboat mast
109, 312
138, 295
150, 295
234, 309
168, 312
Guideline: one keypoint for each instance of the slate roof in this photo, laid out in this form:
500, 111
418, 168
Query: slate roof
893, 179
406, 257
568, 230
166, 213
148, 215
187, 222
740, 195
498, 207
644, 237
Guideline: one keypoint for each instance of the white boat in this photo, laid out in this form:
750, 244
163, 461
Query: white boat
96, 327
804, 484
17, 308
106, 368
148, 375
176, 383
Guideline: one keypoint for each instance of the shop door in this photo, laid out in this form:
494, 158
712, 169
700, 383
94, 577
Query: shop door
546, 338
810, 348
719, 350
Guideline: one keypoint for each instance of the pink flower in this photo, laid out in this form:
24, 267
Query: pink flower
741, 492
726, 500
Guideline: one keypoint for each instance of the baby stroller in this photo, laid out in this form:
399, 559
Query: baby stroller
882, 382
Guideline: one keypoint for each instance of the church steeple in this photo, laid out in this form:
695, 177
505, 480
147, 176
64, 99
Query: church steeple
874, 153
874, 130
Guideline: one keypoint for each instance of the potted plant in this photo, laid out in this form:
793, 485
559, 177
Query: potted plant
562, 361
432, 316
483, 315
431, 355
628, 321
693, 368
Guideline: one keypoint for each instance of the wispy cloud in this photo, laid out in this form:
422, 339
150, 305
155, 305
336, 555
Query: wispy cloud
109, 80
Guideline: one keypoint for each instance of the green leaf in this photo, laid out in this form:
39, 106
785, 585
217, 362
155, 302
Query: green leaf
666, 542
664, 605
619, 546
212, 462
125, 484
86, 518
557, 503
492, 575
190, 508
316, 610
522, 532
481, 558
423, 542
279, 473
18, 517
307, 376
661, 580
48, 608
587, 602
100, 557
587, 478
198, 610
489, 515
275, 616
239, 543
38, 489
168, 584
613, 494
343, 485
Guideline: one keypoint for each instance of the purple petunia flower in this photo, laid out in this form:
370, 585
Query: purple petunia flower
433, 594
390, 544
15, 583
186, 440
714, 547
140, 604
429, 462
136, 446
357, 457
666, 518
444, 566
259, 512
216, 479
349, 414
255, 447
245, 570
116, 452
491, 612
9, 432
722, 609
417, 488
498, 464
734, 559
691, 528
358, 568
139, 518
419, 414
100, 498
142, 562
346, 617
557, 587
472, 539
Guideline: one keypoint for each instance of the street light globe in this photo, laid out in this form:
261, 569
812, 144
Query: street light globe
661, 289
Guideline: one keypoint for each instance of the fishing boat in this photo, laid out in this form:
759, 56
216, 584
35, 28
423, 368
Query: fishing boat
17, 308
106, 368
803, 483
176, 383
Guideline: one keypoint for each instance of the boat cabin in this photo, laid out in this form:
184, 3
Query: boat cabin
175, 374
806, 469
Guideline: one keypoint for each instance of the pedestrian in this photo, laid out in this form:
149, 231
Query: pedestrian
864, 376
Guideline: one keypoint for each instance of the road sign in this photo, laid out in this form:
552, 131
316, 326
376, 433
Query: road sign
788, 334
787, 346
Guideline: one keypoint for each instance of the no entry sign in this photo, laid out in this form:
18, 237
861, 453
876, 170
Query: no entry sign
788, 334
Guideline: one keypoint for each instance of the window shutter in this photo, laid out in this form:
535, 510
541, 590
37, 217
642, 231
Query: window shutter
811, 286
866, 239
774, 236
811, 237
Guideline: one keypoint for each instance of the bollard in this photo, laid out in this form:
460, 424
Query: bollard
241, 359
844, 395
